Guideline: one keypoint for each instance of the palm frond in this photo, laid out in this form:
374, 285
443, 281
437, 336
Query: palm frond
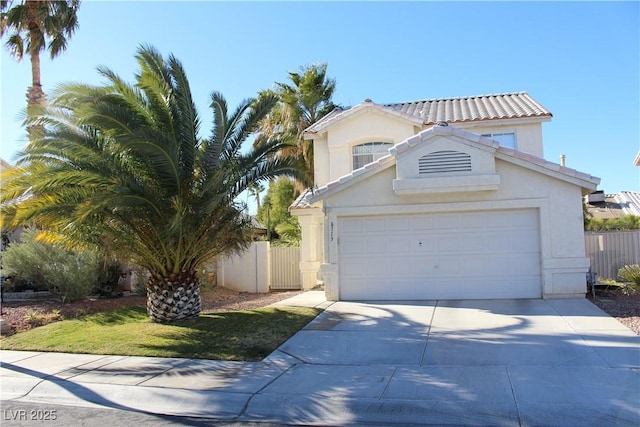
121, 164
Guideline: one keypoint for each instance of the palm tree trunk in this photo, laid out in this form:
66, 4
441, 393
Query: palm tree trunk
35, 94
176, 297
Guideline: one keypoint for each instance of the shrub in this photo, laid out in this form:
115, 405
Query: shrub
627, 222
25, 263
630, 274
71, 275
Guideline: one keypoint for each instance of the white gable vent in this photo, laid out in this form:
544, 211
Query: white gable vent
444, 161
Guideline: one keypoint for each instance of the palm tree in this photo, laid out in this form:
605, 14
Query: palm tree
254, 190
122, 166
34, 26
302, 103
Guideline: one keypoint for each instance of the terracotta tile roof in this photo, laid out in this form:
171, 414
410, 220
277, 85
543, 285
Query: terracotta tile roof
473, 108
516, 105
302, 202
339, 114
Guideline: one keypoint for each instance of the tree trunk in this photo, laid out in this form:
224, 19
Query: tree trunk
35, 94
35, 28
176, 297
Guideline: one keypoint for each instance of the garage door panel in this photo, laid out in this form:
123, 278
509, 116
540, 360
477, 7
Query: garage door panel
441, 289
422, 223
444, 222
525, 218
398, 224
350, 247
375, 246
461, 255
398, 246
374, 225
473, 221
446, 244
351, 226
521, 242
473, 243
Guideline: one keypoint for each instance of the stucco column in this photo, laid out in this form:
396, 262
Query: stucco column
311, 222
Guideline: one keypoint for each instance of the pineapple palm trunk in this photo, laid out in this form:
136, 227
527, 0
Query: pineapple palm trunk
176, 297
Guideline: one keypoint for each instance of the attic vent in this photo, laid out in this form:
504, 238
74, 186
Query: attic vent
444, 161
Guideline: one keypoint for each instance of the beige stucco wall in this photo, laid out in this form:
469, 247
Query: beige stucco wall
558, 204
333, 149
482, 159
528, 134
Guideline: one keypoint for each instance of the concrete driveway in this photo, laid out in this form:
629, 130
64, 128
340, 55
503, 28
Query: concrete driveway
505, 363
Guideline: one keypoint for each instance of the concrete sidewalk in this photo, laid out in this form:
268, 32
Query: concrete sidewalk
512, 362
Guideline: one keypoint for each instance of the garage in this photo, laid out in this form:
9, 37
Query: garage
452, 255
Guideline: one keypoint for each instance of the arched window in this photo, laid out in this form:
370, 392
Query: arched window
369, 152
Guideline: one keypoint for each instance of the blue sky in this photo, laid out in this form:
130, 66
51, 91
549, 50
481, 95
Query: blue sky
578, 59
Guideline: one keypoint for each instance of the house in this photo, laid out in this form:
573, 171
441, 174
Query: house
441, 199
609, 206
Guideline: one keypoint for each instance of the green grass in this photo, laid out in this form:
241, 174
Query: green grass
247, 335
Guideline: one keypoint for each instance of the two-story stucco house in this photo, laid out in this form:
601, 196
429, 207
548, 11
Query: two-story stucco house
441, 199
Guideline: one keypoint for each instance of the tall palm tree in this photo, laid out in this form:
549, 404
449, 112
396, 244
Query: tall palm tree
33, 26
255, 190
302, 103
122, 166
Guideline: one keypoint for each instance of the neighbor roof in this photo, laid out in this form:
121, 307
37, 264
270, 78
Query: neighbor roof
517, 105
615, 205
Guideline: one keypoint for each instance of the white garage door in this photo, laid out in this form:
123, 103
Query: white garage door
470, 255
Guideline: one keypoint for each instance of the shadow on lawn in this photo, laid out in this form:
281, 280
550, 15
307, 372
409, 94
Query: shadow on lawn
248, 335
118, 316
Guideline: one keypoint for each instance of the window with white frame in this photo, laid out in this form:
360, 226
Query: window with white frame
369, 152
506, 139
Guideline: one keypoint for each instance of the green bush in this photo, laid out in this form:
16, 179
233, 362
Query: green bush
631, 274
24, 264
627, 222
71, 275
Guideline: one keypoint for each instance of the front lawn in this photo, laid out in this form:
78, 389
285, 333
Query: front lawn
247, 335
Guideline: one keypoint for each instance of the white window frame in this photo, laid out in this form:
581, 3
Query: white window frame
377, 150
498, 136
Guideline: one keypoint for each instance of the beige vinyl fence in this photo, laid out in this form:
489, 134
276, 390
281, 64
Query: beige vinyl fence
611, 250
261, 268
285, 268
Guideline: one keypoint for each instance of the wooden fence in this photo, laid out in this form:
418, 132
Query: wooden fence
611, 250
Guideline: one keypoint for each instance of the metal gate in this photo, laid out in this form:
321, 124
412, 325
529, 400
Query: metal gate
285, 270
